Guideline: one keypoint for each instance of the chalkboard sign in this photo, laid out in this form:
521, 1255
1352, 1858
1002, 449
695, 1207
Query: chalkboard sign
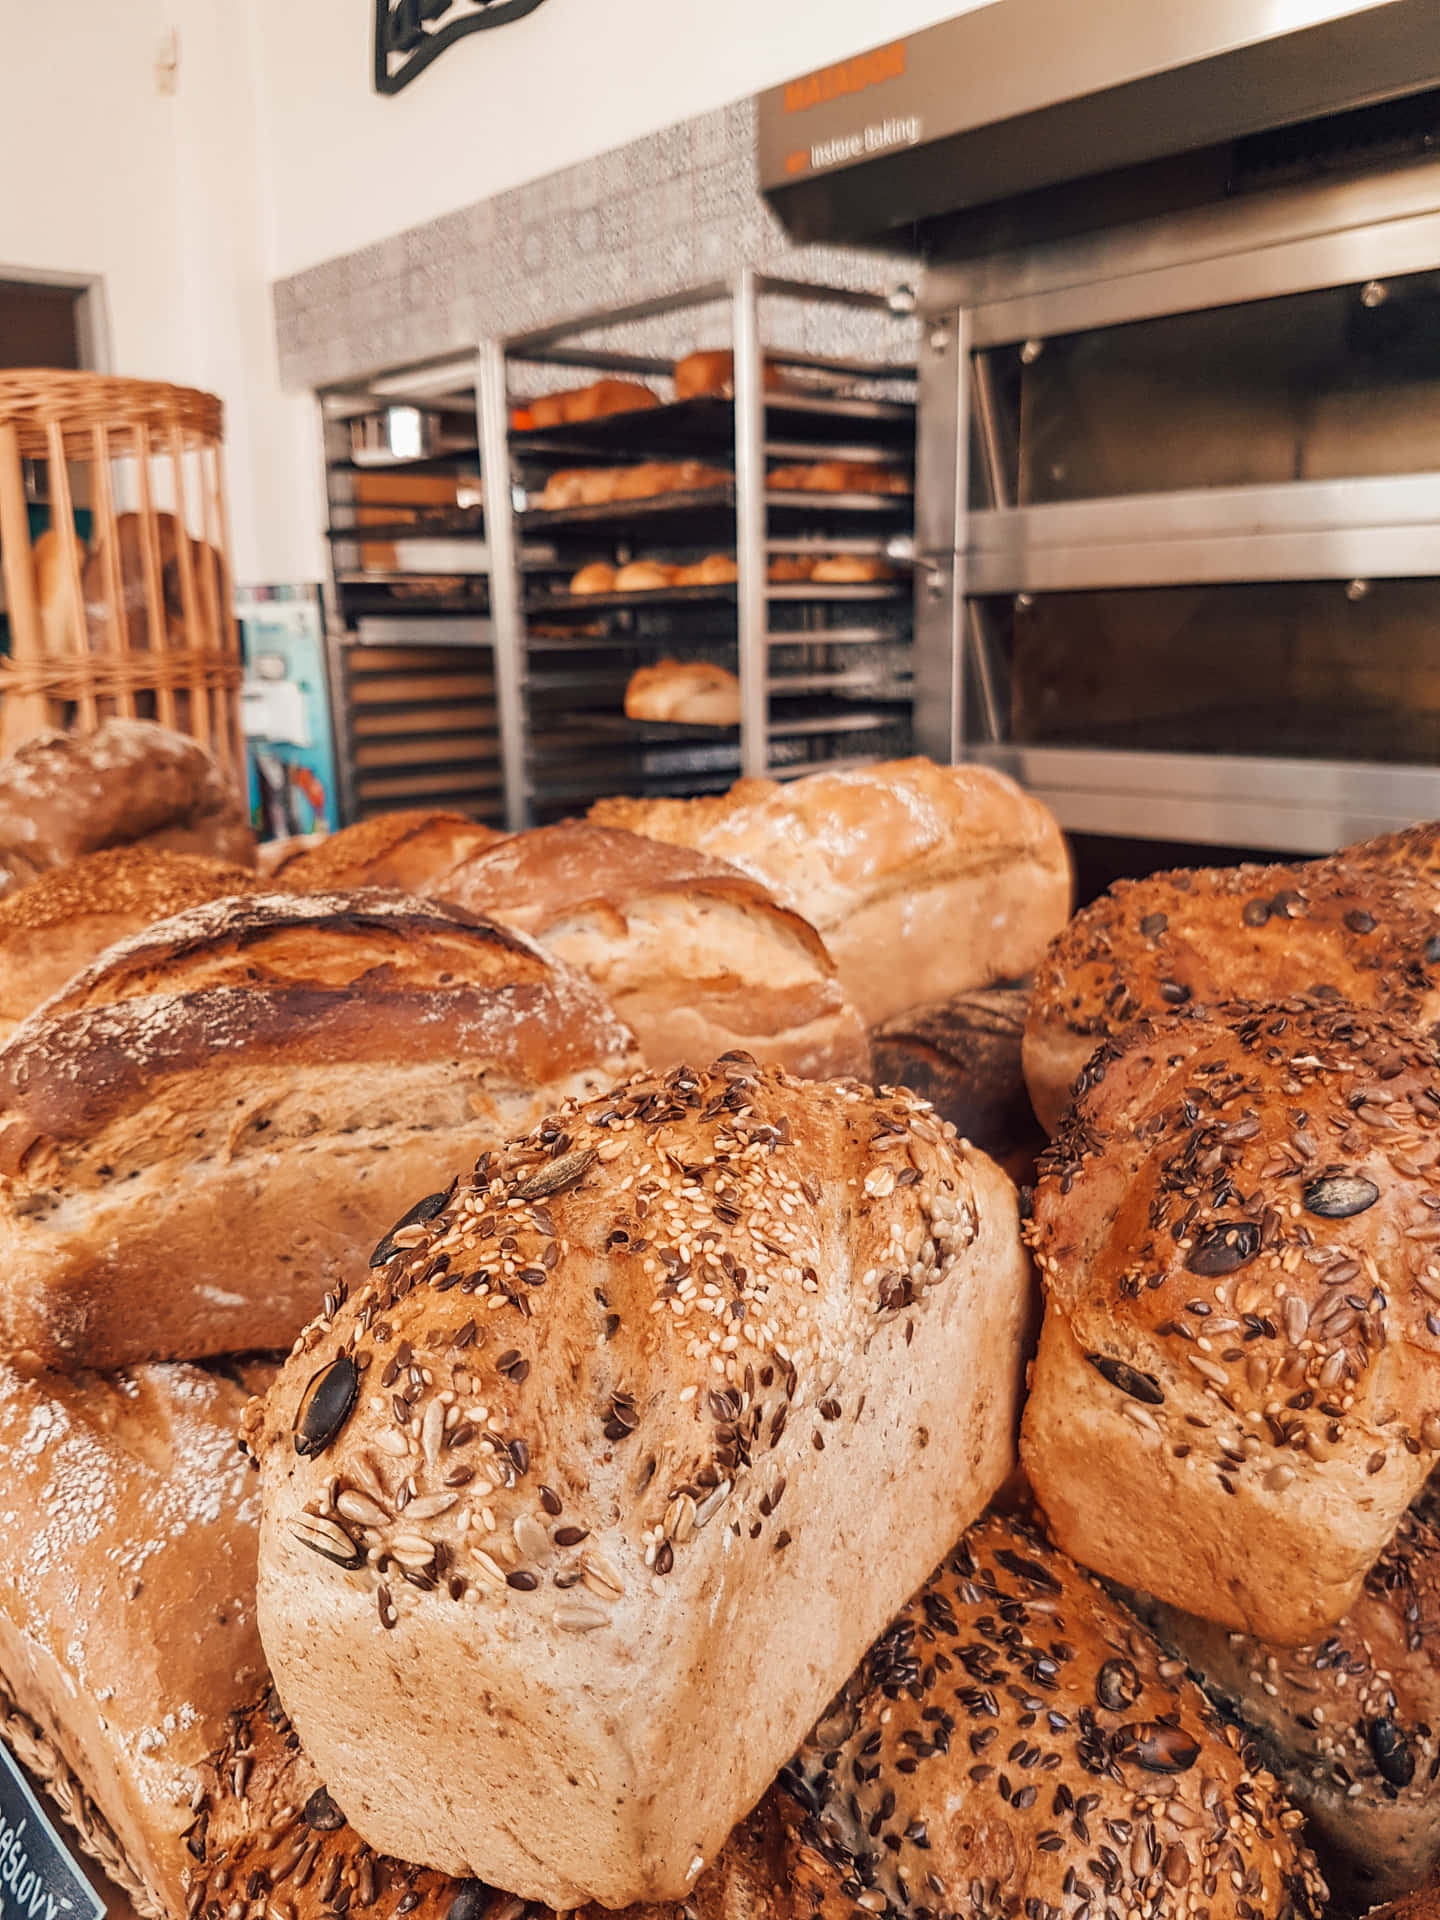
409, 34
39, 1879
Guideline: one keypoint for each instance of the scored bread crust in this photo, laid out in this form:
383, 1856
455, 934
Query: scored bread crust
409, 850
694, 956
1352, 1721
62, 920
622, 1410
211, 1124
922, 880
1017, 1742
127, 1586
1237, 1391
1360, 926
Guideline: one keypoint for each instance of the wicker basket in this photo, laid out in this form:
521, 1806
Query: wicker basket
136, 621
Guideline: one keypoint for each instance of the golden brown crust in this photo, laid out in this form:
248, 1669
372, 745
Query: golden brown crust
312, 1049
1359, 926
1350, 1722
694, 956
66, 794
1017, 1742
591, 402
695, 691
409, 850
1236, 1229
922, 880
62, 920
553, 1436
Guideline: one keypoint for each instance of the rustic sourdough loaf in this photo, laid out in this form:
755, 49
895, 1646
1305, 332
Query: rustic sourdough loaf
1237, 1391
410, 850
694, 956
211, 1124
61, 921
1017, 1743
1360, 927
583, 1507
64, 794
1350, 1722
963, 1056
922, 880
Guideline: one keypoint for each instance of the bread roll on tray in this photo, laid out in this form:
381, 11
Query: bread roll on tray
210, 1125
64, 794
409, 850
1356, 926
597, 576
644, 576
712, 371
693, 956
695, 693
1237, 1391
591, 402
658, 1420
1016, 1743
61, 921
1351, 1722
922, 880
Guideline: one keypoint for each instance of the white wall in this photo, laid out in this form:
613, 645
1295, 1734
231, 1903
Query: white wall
505, 106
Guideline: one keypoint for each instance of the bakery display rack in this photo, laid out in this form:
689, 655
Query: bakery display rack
412, 635
823, 668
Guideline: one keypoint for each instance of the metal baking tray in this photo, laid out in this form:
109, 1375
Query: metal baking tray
648, 597
682, 503
692, 426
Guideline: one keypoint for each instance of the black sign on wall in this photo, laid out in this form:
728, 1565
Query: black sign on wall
409, 34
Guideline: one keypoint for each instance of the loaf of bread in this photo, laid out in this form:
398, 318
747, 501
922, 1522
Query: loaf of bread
597, 576
712, 371
657, 1422
1351, 1722
963, 1056
694, 957
837, 476
64, 794
695, 693
215, 1121
411, 851
1017, 1744
60, 922
591, 402
1422, 1904
645, 576
1237, 1391
786, 569
922, 880
850, 569
715, 570
127, 1590
1359, 928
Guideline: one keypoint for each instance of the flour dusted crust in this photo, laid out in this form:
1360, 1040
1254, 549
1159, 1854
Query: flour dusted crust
690, 692
1017, 1743
127, 1586
1359, 926
621, 1411
62, 920
694, 956
1351, 1721
410, 850
64, 794
209, 1126
922, 880
1237, 1391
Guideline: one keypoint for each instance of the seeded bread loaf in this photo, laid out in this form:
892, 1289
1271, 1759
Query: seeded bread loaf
64, 794
584, 1506
210, 1125
1359, 927
409, 850
1422, 1904
1237, 1391
1350, 1722
127, 1588
61, 921
1017, 1743
694, 956
922, 880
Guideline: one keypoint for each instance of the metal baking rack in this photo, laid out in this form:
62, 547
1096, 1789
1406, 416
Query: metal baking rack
416, 673
824, 669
